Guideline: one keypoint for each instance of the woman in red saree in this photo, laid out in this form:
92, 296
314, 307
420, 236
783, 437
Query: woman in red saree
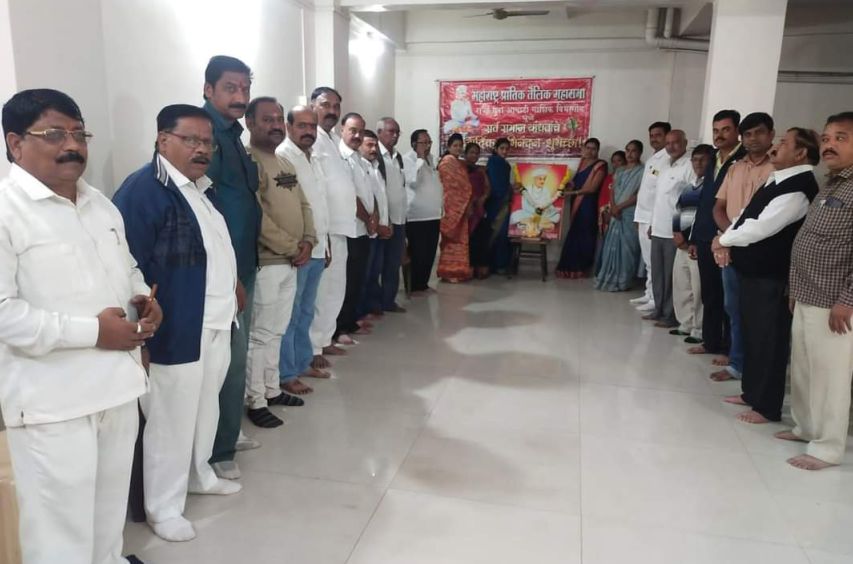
454, 264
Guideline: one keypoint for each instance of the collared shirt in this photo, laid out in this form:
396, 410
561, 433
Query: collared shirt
646, 196
742, 180
310, 175
822, 259
61, 264
395, 185
423, 188
378, 186
220, 300
340, 190
235, 178
779, 213
363, 186
719, 161
672, 181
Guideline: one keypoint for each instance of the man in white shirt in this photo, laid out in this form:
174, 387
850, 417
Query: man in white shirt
367, 220
182, 243
70, 297
370, 159
341, 198
672, 180
425, 203
384, 296
645, 207
297, 350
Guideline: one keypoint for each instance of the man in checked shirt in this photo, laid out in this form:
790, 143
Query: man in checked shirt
822, 296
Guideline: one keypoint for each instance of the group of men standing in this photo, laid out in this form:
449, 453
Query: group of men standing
771, 275
228, 273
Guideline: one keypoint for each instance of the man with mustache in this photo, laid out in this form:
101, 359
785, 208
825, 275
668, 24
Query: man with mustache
369, 154
341, 199
181, 242
715, 338
227, 84
758, 244
74, 312
822, 293
285, 244
297, 352
743, 179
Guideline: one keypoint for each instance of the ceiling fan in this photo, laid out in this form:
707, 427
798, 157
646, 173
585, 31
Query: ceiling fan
501, 14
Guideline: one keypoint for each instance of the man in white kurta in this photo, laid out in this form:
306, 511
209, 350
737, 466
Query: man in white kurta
72, 369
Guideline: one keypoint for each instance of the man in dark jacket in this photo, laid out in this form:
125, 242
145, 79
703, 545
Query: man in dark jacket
181, 243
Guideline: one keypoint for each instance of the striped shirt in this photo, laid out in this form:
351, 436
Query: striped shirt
822, 258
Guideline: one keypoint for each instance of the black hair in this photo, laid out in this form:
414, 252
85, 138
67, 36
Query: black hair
253, 105
619, 154
26, 107
469, 146
732, 115
703, 149
755, 119
809, 140
220, 64
840, 117
454, 138
320, 90
502, 141
415, 134
637, 143
369, 133
168, 117
595, 142
351, 115
665, 125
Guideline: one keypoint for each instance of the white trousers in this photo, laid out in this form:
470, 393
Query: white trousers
275, 288
646, 252
72, 480
687, 294
330, 296
182, 413
821, 369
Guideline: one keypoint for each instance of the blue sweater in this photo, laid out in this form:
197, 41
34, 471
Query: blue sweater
165, 239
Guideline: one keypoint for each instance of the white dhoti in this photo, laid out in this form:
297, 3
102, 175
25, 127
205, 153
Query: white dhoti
72, 480
275, 289
182, 413
330, 296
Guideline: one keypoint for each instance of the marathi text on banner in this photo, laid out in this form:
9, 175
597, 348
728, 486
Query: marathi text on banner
541, 117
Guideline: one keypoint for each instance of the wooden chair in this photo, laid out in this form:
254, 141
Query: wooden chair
529, 248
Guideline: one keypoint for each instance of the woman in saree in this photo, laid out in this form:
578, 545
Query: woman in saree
617, 161
478, 227
620, 254
454, 264
499, 172
578, 254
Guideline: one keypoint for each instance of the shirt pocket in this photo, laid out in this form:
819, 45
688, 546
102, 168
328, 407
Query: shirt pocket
50, 273
832, 223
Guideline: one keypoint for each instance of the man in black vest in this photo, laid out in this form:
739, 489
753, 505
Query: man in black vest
759, 244
714, 321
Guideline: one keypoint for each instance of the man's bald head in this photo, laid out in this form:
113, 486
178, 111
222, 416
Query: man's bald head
676, 143
302, 127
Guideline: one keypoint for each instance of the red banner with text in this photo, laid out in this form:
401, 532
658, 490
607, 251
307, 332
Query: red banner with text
544, 118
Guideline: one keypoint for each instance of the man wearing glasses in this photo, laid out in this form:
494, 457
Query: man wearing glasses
181, 243
74, 312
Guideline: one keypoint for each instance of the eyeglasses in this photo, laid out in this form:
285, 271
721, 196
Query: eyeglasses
194, 142
57, 136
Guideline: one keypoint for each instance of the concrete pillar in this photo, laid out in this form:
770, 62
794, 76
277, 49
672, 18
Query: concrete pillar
743, 60
331, 47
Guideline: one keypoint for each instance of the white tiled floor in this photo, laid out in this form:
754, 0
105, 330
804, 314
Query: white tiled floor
515, 421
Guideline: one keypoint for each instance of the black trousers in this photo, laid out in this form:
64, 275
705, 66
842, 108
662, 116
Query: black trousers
715, 323
766, 327
357, 259
423, 243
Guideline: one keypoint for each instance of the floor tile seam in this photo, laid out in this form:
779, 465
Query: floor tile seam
486, 503
349, 403
678, 529
586, 379
314, 478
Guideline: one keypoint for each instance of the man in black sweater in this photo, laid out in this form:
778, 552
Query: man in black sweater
759, 244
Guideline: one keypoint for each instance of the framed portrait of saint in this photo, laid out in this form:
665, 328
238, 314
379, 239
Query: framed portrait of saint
536, 211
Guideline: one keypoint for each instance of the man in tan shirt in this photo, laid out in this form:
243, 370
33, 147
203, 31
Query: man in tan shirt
742, 180
286, 240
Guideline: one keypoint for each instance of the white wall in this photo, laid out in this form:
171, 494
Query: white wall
372, 70
156, 52
8, 84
